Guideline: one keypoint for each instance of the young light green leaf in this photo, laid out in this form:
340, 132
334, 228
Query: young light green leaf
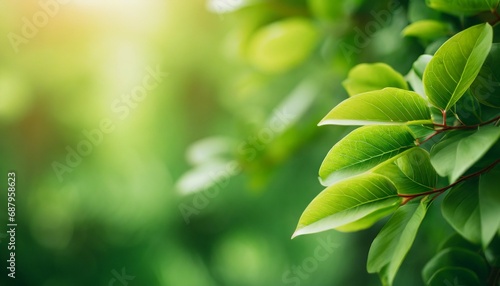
411, 172
388, 106
456, 257
456, 64
460, 150
370, 77
367, 221
363, 149
489, 205
454, 276
391, 245
347, 202
461, 209
427, 29
463, 7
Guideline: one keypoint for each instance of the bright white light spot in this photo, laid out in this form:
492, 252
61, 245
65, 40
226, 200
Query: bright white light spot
225, 6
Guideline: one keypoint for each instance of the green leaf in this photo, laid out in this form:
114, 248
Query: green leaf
489, 205
427, 29
370, 77
486, 87
386, 106
270, 49
363, 149
203, 177
456, 64
465, 7
444, 155
454, 276
456, 257
473, 208
210, 149
414, 77
461, 209
432, 48
347, 202
457, 241
468, 109
418, 10
458, 151
391, 245
411, 172
332, 10
421, 131
421, 63
367, 221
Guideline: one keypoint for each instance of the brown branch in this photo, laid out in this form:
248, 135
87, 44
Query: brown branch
444, 127
439, 191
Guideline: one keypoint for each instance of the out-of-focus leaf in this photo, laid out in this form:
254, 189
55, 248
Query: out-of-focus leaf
489, 205
414, 77
464, 7
456, 257
215, 173
486, 87
370, 77
427, 29
461, 209
332, 10
211, 148
282, 45
454, 276
457, 241
15, 97
418, 10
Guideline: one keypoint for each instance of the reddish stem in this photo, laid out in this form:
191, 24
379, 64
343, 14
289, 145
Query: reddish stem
439, 191
445, 127
497, 17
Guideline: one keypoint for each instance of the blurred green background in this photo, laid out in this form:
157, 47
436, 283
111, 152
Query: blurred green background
175, 142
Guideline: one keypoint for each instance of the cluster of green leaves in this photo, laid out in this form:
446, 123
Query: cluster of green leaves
434, 131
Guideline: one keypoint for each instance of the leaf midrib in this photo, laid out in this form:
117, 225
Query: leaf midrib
465, 67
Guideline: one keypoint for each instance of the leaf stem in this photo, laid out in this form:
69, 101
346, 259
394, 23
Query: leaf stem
444, 127
442, 190
497, 17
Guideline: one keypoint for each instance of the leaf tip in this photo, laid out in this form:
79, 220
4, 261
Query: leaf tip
322, 122
296, 233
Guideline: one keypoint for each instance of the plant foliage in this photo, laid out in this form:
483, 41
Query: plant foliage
439, 137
